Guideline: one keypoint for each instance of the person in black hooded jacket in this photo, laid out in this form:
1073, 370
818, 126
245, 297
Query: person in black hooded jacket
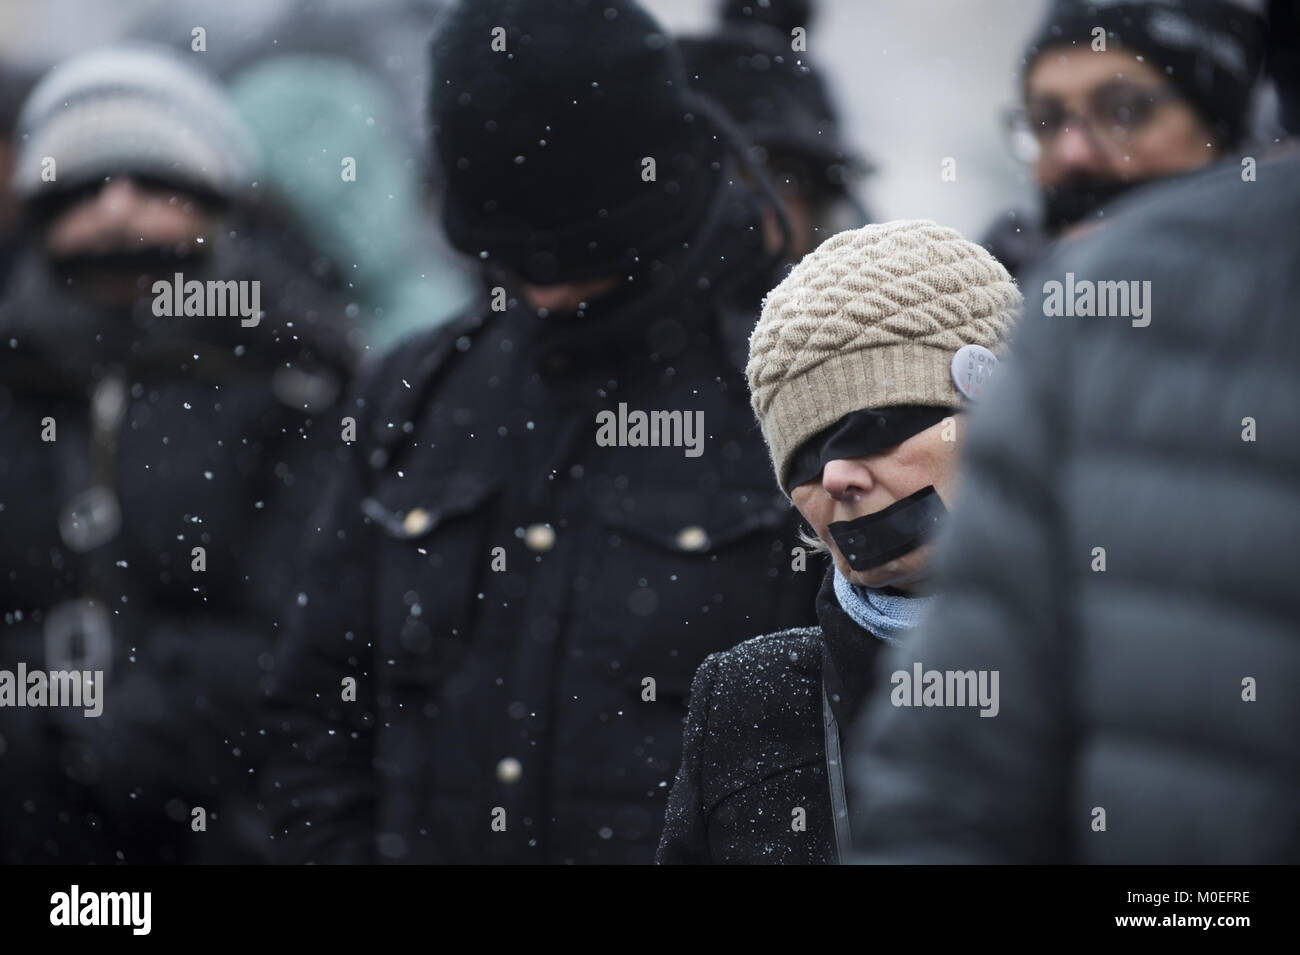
858, 368
154, 467
510, 585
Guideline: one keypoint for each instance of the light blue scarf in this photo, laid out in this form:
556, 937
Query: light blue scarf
887, 616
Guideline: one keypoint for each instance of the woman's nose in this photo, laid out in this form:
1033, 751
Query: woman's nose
843, 479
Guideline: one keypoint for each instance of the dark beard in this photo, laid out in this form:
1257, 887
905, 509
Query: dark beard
1081, 197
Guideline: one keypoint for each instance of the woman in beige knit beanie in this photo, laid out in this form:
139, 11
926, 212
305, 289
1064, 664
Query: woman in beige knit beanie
859, 367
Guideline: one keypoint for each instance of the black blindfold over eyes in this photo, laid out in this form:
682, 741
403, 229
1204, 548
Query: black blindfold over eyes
858, 434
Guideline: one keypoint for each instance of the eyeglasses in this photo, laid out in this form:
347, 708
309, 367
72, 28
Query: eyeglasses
1115, 114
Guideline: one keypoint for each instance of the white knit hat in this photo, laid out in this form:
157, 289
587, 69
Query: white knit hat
871, 319
136, 109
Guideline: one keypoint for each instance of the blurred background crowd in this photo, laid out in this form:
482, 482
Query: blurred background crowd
910, 85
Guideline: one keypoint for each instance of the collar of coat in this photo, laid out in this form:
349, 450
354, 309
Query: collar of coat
849, 654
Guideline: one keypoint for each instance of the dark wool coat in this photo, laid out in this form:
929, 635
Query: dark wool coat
754, 785
204, 434
501, 586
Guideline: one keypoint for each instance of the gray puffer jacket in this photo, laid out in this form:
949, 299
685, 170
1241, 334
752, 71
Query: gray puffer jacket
1149, 711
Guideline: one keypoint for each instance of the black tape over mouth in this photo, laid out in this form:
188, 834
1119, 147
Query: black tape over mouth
877, 538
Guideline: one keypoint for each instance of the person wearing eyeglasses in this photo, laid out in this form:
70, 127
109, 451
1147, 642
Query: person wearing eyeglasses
1119, 94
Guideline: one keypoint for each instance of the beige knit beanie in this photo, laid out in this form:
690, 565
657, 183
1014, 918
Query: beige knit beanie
872, 318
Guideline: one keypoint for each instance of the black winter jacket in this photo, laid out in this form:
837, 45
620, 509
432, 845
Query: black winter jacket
203, 433
1125, 556
501, 587
756, 784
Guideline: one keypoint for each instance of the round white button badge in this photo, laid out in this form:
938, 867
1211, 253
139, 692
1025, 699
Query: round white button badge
972, 367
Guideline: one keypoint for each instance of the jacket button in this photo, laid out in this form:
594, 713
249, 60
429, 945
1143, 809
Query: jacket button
539, 538
692, 538
509, 770
417, 521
